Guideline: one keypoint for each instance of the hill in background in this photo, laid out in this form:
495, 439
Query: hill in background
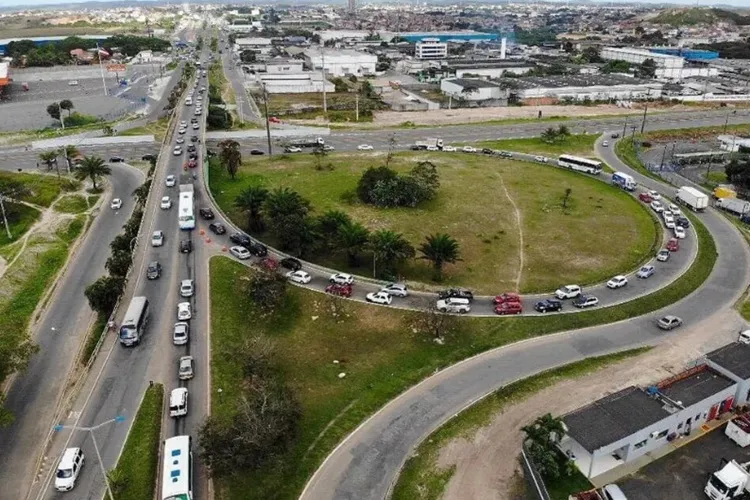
696, 15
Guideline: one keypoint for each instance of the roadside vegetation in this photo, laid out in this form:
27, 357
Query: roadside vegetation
422, 479
156, 128
134, 477
346, 205
551, 144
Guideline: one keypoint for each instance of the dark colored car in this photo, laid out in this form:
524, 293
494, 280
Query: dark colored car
487, 151
257, 249
210, 153
193, 120
240, 239
148, 157
548, 305
193, 138
682, 221
116, 159
217, 228
206, 213
291, 263
615, 135
186, 246
191, 148
153, 271
193, 156
414, 147
257, 152
456, 293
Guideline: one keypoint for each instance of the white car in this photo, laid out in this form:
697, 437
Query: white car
186, 288
605, 144
69, 469
397, 289
469, 149
180, 140
379, 298
197, 111
183, 124
453, 305
182, 131
449, 149
299, 277
656, 206
674, 209
116, 204
654, 195
181, 333
669, 222
431, 148
73, 82
196, 126
341, 279
157, 239
177, 151
617, 282
166, 203
365, 147
293, 149
568, 292
666, 213
541, 159
679, 232
170, 181
183, 311
241, 253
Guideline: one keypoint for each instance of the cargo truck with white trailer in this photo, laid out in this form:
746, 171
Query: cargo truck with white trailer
734, 205
692, 197
738, 430
624, 181
314, 142
730, 482
427, 143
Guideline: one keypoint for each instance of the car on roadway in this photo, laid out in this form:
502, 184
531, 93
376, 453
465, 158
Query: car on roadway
656, 206
217, 228
197, 111
365, 147
191, 148
157, 239
184, 311
73, 82
548, 305
508, 308
456, 293
182, 131
179, 140
585, 301
341, 279
618, 281
432, 148
682, 221
153, 271
506, 154
258, 249
68, 469
193, 156
669, 222
666, 213
469, 149
116, 204
240, 252
186, 246
193, 138
381, 298
669, 322
645, 198
292, 149
117, 159
240, 239
300, 276
170, 181
449, 149
568, 292
274, 119
605, 144
183, 123
541, 159
663, 255
196, 126
679, 232
339, 289
673, 245
506, 297
177, 151
181, 332
166, 203
185, 368
674, 209
395, 289
186, 288
645, 272
654, 195
256, 152
453, 305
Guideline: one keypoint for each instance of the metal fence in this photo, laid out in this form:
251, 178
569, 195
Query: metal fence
536, 483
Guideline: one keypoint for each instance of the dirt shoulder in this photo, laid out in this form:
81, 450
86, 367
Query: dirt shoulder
484, 468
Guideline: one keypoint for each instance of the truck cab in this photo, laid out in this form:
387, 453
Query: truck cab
731, 481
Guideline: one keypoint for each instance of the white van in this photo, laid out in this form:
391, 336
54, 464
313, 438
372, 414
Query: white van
178, 401
69, 469
189, 101
613, 492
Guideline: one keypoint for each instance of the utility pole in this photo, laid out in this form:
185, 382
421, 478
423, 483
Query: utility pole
323, 74
268, 124
643, 123
663, 154
624, 127
5, 219
708, 169
356, 109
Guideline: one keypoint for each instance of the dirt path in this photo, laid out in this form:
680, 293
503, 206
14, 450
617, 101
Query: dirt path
520, 235
485, 462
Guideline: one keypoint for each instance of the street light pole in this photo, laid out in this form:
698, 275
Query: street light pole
268, 124
5, 219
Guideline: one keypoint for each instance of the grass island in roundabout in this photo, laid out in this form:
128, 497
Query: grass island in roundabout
515, 228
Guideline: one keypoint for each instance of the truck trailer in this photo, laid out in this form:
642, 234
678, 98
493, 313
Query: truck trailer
734, 205
738, 429
433, 142
308, 143
731, 481
624, 181
692, 197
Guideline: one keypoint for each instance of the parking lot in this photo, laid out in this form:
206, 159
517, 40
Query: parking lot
683, 473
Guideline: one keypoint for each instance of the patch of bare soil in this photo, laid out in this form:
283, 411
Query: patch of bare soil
485, 464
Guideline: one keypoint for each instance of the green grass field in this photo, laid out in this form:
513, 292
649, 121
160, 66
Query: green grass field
44, 188
579, 145
72, 204
20, 219
472, 207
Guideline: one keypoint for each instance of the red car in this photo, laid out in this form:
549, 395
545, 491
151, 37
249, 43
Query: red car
340, 290
673, 245
273, 119
509, 308
506, 297
192, 164
645, 198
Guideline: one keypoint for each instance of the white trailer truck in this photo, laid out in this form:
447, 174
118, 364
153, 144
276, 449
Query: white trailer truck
430, 142
734, 205
624, 181
729, 482
692, 197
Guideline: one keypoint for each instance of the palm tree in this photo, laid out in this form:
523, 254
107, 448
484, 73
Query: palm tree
141, 193
353, 238
251, 201
284, 202
329, 224
230, 156
92, 167
542, 437
440, 248
390, 249
67, 105
549, 135
69, 152
49, 158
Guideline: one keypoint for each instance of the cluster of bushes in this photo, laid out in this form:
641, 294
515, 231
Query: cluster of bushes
218, 117
174, 97
383, 187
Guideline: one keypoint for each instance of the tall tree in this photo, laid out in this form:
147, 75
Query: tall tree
390, 249
328, 225
69, 152
287, 212
542, 437
353, 238
67, 105
54, 111
439, 249
49, 158
251, 202
103, 293
92, 167
230, 156
141, 192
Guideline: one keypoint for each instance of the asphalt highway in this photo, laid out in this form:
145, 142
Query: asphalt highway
366, 464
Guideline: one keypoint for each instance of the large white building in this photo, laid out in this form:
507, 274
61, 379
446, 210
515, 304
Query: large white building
667, 67
341, 62
294, 83
584, 87
472, 90
431, 48
261, 46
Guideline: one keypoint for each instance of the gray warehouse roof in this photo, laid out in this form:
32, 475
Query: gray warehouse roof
696, 387
469, 82
613, 417
734, 357
578, 81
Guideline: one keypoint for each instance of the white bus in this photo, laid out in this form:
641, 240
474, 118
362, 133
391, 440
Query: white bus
177, 471
580, 164
186, 212
134, 324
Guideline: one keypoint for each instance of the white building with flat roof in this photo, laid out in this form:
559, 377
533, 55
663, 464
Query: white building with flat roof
667, 67
341, 62
431, 48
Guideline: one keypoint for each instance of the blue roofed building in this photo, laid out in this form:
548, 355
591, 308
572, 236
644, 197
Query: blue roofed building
455, 36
